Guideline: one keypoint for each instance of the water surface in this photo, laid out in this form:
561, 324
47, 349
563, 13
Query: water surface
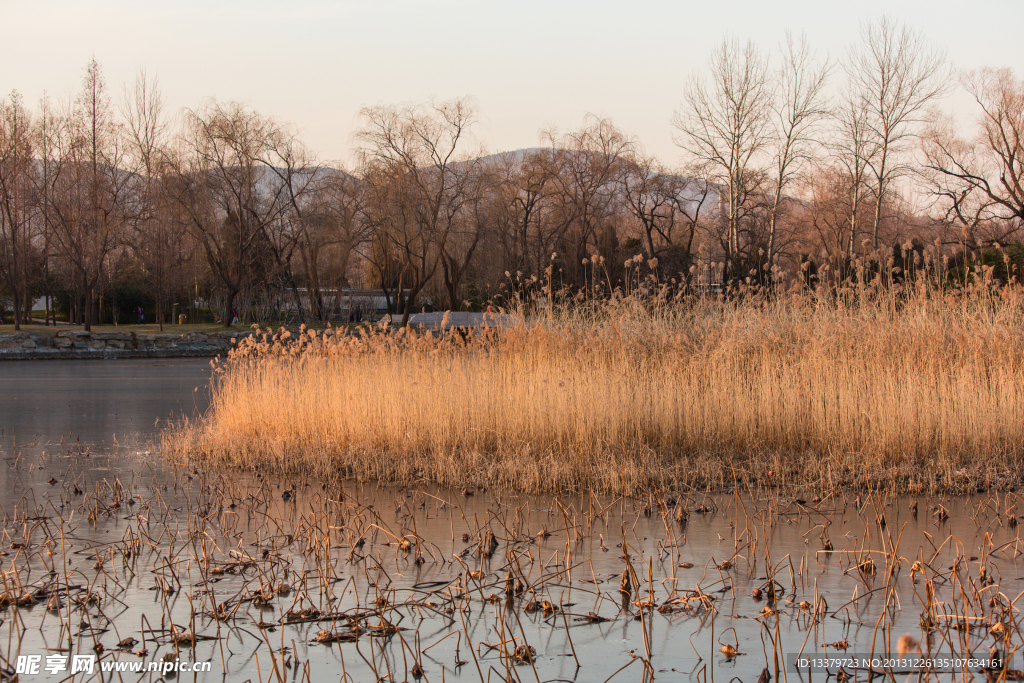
96, 402
405, 581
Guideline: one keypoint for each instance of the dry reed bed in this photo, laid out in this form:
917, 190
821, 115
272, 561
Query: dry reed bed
920, 392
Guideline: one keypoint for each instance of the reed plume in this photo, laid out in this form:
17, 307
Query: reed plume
921, 390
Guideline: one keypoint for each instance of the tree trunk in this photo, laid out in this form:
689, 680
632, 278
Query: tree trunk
773, 223
451, 283
878, 217
16, 302
298, 299
88, 309
410, 301
232, 293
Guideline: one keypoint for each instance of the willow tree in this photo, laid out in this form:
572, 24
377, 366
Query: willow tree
225, 194
419, 182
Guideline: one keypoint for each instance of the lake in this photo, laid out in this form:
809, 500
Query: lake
111, 551
96, 402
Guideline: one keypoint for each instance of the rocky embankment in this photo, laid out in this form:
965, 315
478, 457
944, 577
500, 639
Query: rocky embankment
78, 344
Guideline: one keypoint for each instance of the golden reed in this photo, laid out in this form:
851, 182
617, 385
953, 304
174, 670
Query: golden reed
919, 391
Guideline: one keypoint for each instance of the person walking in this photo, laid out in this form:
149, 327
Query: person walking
142, 315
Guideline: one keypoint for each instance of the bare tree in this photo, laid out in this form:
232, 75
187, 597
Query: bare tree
383, 213
44, 135
86, 189
16, 200
800, 105
833, 208
583, 168
853, 150
525, 185
668, 207
725, 127
222, 188
158, 235
142, 109
298, 174
459, 249
412, 153
896, 75
982, 178
332, 235
234, 198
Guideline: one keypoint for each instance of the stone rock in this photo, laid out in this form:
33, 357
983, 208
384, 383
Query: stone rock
72, 344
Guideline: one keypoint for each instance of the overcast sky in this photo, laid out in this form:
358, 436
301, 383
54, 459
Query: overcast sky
529, 65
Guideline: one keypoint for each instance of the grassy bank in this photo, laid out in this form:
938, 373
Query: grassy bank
918, 392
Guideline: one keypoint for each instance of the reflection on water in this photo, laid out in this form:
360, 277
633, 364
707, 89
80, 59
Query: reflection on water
372, 582
306, 580
96, 402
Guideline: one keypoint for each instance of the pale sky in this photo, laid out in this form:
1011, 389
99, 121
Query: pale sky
529, 65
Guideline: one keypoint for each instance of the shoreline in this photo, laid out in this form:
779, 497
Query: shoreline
80, 345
